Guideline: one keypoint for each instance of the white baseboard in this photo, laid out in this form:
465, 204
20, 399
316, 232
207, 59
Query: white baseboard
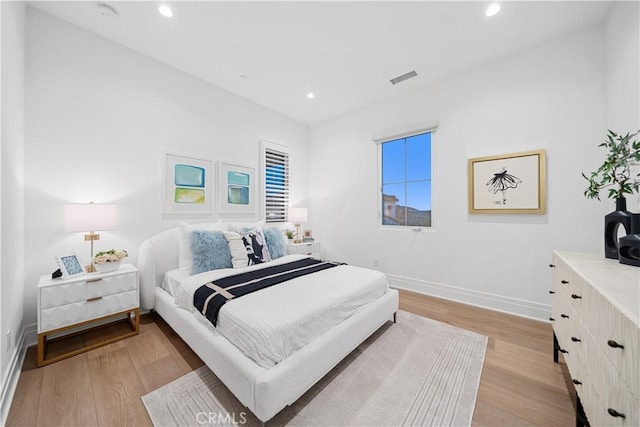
515, 306
27, 338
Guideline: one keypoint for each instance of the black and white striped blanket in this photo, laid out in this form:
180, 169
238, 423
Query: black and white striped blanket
210, 297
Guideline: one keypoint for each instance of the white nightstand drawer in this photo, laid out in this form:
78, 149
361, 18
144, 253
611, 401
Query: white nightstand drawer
311, 248
91, 308
68, 293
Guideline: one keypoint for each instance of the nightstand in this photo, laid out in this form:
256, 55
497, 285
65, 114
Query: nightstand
68, 307
305, 248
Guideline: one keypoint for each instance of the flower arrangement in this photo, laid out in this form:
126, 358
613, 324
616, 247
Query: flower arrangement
112, 255
290, 234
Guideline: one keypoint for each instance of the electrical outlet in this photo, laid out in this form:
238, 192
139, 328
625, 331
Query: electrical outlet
8, 340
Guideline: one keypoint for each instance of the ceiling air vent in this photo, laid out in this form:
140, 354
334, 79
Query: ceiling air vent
405, 76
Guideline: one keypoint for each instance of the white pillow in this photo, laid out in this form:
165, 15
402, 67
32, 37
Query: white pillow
241, 226
185, 258
236, 247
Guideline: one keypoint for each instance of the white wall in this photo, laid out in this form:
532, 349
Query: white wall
12, 176
550, 97
623, 73
99, 116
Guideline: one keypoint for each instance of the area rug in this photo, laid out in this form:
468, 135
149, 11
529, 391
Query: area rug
415, 372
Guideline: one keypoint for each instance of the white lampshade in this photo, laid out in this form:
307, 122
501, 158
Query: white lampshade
90, 217
297, 215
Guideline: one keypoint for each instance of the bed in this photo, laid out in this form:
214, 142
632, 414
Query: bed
264, 388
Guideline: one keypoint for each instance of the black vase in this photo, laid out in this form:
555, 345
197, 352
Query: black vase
620, 217
629, 245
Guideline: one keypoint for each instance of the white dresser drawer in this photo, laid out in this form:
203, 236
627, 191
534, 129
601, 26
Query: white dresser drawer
89, 309
52, 296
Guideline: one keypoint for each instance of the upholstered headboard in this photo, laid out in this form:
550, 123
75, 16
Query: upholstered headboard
157, 255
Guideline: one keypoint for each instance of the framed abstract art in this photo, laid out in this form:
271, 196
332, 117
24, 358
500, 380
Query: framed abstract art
236, 188
188, 185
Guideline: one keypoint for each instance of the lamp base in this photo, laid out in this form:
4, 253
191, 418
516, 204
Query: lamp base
90, 268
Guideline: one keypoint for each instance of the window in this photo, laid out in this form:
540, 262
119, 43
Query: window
406, 181
276, 181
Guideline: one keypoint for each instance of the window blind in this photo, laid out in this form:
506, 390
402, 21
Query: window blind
276, 185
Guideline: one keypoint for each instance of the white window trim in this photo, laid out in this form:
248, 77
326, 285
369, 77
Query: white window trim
264, 145
391, 136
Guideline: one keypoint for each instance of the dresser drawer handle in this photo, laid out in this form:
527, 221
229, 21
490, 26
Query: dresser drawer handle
551, 292
574, 296
576, 382
615, 413
552, 266
94, 299
564, 316
552, 319
93, 280
563, 351
564, 282
574, 339
614, 344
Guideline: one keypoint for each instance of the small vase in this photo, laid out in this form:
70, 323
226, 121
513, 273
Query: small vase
630, 244
620, 217
107, 267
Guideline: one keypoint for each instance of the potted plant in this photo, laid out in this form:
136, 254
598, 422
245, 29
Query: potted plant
290, 235
616, 174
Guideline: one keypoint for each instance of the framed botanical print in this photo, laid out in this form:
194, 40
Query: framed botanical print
508, 183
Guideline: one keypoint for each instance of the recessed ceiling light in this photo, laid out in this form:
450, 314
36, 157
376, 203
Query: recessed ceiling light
243, 77
492, 9
165, 11
106, 10
310, 95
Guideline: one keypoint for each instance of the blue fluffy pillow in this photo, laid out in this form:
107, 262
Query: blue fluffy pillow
210, 251
275, 242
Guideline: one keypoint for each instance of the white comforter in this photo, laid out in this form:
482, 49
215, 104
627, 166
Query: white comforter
270, 324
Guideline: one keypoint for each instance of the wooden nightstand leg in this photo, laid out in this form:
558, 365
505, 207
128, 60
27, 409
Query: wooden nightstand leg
135, 321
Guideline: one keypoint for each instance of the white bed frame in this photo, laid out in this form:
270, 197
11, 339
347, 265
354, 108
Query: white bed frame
264, 391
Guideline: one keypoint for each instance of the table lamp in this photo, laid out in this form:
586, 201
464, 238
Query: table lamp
90, 218
297, 215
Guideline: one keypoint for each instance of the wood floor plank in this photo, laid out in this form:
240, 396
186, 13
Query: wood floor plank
27, 394
117, 390
147, 347
68, 397
155, 375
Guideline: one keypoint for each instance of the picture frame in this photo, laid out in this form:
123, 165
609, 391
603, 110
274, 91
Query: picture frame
236, 188
188, 185
70, 265
508, 183
307, 234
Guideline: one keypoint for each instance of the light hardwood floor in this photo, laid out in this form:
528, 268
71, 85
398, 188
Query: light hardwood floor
520, 384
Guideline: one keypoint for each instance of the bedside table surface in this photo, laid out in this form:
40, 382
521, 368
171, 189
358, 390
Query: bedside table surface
46, 280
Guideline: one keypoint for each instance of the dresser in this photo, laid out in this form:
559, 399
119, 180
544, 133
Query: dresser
594, 313
72, 306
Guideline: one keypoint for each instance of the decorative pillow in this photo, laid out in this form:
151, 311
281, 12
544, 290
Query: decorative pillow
244, 226
210, 251
236, 247
185, 258
256, 245
275, 242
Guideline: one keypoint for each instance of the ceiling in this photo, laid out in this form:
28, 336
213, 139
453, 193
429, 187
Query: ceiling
343, 52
